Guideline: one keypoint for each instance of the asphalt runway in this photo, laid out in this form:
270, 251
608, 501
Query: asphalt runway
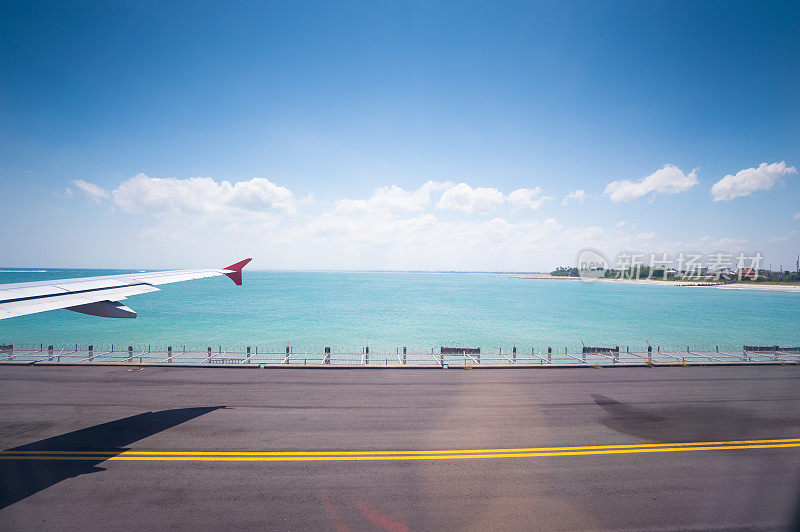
95, 448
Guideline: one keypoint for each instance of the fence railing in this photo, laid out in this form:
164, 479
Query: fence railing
402, 356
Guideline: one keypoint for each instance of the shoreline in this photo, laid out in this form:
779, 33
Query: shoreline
768, 287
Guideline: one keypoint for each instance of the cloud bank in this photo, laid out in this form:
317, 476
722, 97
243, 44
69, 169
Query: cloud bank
667, 180
530, 198
750, 180
464, 198
578, 196
201, 195
439, 225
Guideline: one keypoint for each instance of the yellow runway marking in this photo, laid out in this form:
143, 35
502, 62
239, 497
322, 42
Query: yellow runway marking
452, 451
302, 456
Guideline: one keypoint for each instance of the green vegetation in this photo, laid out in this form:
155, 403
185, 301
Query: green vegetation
766, 276
658, 274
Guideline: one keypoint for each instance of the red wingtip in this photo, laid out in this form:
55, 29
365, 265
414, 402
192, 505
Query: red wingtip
236, 274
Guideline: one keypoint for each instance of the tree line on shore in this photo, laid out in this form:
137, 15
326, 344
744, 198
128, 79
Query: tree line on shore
644, 272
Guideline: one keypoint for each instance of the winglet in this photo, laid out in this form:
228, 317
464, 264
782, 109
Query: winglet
236, 271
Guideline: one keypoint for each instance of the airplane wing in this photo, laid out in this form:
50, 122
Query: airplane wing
98, 296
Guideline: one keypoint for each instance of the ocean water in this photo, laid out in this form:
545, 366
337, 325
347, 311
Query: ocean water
349, 310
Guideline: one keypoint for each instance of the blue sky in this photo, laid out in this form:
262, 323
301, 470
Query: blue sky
328, 105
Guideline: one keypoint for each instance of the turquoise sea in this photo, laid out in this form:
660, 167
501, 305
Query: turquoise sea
349, 310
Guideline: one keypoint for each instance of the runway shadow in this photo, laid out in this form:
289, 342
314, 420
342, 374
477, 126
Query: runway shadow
698, 423
22, 478
694, 422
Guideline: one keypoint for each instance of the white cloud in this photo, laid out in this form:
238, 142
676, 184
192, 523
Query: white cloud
797, 216
782, 238
629, 226
202, 196
669, 180
531, 198
370, 228
391, 214
579, 196
749, 180
463, 197
380, 239
91, 190
66, 193
727, 243
394, 199
391, 228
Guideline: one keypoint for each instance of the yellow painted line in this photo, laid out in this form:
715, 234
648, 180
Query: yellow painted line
300, 458
359, 453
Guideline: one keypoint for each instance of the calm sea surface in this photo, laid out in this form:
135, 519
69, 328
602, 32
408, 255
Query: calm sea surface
420, 310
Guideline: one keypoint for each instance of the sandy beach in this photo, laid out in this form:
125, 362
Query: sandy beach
704, 284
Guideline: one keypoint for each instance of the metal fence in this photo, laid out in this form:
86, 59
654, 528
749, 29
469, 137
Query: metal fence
401, 357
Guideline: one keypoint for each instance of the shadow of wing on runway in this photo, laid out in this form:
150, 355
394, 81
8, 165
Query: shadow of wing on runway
692, 422
20, 478
622, 412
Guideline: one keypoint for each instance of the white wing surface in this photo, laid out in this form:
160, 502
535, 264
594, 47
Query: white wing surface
98, 296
